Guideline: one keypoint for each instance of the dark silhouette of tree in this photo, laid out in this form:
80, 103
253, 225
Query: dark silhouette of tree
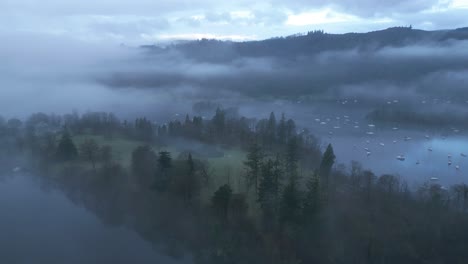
292, 158
144, 165
89, 150
326, 165
312, 197
219, 121
220, 201
253, 165
282, 130
66, 149
105, 154
191, 181
267, 191
291, 206
164, 165
271, 129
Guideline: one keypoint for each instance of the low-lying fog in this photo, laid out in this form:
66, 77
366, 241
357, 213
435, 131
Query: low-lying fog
55, 75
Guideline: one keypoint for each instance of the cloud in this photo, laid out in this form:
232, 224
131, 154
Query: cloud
132, 22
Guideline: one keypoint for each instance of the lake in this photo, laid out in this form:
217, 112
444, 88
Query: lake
40, 225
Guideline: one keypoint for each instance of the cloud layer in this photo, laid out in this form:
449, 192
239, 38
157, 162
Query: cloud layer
144, 21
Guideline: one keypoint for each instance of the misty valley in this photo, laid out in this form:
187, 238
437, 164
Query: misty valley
310, 148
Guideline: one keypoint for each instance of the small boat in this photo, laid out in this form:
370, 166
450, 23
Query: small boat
449, 162
417, 162
370, 133
457, 167
434, 179
382, 144
407, 138
429, 149
368, 153
401, 158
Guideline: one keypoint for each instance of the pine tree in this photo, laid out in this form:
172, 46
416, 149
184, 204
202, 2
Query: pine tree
312, 197
271, 129
291, 206
220, 201
292, 158
253, 165
326, 165
267, 193
66, 149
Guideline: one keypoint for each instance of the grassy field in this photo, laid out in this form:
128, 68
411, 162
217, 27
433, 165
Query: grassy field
225, 169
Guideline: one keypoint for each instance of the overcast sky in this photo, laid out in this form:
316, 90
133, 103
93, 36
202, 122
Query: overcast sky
136, 22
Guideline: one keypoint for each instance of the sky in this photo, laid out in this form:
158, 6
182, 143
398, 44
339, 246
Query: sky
137, 22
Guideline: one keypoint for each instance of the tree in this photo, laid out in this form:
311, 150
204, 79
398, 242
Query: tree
144, 165
165, 160
164, 164
219, 121
271, 129
105, 154
290, 208
282, 129
312, 197
267, 192
253, 165
326, 165
191, 182
292, 158
66, 150
90, 151
220, 201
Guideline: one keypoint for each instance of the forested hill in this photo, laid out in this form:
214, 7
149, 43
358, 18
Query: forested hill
312, 43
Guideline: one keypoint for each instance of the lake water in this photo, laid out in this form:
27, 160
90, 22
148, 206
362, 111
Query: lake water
352, 136
42, 226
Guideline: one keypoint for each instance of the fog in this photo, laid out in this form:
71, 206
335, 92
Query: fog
396, 105
66, 75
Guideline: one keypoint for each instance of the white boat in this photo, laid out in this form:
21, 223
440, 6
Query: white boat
401, 158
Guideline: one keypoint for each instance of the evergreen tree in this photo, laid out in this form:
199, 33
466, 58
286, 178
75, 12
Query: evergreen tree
253, 165
271, 129
219, 121
312, 197
292, 158
220, 201
164, 164
291, 206
326, 165
282, 129
144, 165
266, 193
164, 160
66, 149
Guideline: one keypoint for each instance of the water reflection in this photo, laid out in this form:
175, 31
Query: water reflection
43, 226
